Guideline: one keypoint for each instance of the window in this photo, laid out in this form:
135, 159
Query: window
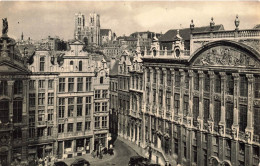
137, 82
104, 94
206, 83
141, 83
243, 86
61, 107
67, 144
32, 84
176, 145
206, 110
147, 95
79, 126
168, 101
31, 132
4, 111
79, 106
133, 82
104, 122
229, 115
71, 65
42, 61
3, 88
196, 81
50, 98
70, 107
194, 149
50, 114
50, 84
87, 125
228, 149
61, 128
217, 83
186, 80
71, 85
169, 78
217, 110
41, 84
17, 133
32, 100
101, 80
242, 117
80, 84
177, 79
195, 109
18, 87
160, 98
185, 105
49, 131
176, 103
97, 107
97, 126
88, 83
230, 85
88, 105
41, 98
256, 121
104, 107
41, 114
161, 77
40, 132
17, 110
154, 76
70, 127
148, 75
61, 84
215, 144
257, 87
241, 153
97, 94
80, 65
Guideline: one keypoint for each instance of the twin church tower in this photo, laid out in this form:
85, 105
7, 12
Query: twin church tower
89, 32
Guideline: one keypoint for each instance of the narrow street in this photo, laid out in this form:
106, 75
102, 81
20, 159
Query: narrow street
123, 154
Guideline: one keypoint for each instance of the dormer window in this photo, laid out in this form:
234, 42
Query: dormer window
42, 62
101, 80
177, 53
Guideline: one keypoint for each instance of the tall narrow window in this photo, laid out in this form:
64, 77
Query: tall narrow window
104, 122
195, 109
101, 80
17, 110
229, 115
176, 103
169, 81
80, 65
217, 110
70, 107
230, 84
41, 98
187, 80
60, 128
18, 87
161, 77
79, 106
177, 79
154, 96
88, 84
147, 95
256, 121
206, 110
32, 84
242, 117
217, 84
61, 84
79, 126
42, 62
41, 84
206, 83
97, 123
104, 94
61, 107
50, 84
148, 75
4, 111
196, 81
160, 98
185, 105
80, 84
97, 107
154, 76
243, 86
3, 88
168, 101
50, 98
32, 100
257, 87
71, 65
104, 106
97, 94
71, 85
228, 149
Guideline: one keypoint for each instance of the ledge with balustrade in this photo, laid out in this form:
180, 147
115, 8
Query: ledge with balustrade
247, 33
167, 54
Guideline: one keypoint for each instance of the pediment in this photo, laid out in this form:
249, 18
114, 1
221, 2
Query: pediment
12, 68
226, 56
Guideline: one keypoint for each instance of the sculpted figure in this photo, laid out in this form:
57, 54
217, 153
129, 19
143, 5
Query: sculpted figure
5, 26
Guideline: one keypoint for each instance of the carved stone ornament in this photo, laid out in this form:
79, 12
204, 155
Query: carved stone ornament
248, 136
256, 102
234, 132
221, 129
210, 127
225, 56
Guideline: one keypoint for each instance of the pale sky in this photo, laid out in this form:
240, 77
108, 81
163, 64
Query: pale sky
37, 20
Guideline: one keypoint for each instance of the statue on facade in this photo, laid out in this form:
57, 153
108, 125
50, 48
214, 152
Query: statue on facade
5, 26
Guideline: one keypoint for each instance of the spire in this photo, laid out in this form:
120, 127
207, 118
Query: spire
22, 36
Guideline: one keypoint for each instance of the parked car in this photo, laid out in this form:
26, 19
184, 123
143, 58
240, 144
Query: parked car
138, 161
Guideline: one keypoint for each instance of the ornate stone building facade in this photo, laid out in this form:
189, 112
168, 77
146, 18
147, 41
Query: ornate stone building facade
200, 106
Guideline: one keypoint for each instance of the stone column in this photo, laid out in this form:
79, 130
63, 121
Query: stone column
190, 113
211, 104
172, 96
157, 89
164, 91
201, 103
151, 89
182, 84
10, 94
223, 104
137, 138
235, 126
250, 129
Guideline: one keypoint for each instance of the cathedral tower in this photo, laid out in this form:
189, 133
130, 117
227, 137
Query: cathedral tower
94, 28
79, 31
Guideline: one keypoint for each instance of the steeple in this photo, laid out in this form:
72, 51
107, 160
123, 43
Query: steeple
22, 36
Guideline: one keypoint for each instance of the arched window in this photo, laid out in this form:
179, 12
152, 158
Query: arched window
3, 87
154, 52
177, 52
71, 65
4, 111
101, 80
80, 65
71, 62
17, 110
42, 61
